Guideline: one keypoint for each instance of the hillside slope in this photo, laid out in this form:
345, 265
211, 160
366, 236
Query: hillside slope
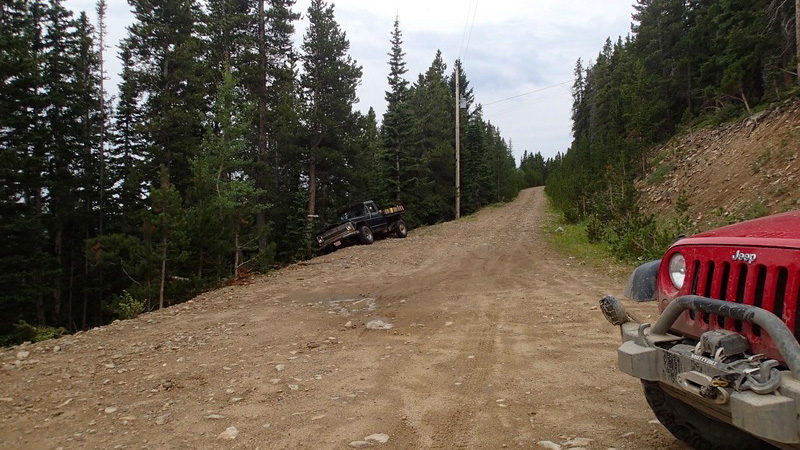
736, 171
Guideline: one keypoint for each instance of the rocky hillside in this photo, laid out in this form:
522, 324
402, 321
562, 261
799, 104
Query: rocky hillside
736, 171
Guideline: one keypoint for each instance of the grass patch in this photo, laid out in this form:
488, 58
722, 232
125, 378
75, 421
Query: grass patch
661, 157
755, 210
780, 191
762, 160
660, 173
572, 241
470, 218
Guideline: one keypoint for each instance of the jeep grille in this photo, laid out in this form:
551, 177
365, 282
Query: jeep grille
770, 282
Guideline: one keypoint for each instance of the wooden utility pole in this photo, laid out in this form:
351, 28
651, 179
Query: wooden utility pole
458, 143
797, 35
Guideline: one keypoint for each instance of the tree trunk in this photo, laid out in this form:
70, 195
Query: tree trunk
41, 317
397, 167
746, 104
70, 323
37, 278
312, 202
85, 316
163, 271
236, 253
622, 181
57, 288
611, 196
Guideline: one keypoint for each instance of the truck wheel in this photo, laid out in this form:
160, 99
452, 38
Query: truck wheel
400, 229
365, 235
695, 428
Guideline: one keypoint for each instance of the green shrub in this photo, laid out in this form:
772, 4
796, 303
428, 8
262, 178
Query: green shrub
127, 307
755, 210
25, 332
572, 215
637, 237
727, 113
594, 230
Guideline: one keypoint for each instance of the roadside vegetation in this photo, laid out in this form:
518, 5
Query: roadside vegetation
685, 66
572, 240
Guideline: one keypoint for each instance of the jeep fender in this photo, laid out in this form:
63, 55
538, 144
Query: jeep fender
642, 282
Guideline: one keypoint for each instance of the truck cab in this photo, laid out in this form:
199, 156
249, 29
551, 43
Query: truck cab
366, 213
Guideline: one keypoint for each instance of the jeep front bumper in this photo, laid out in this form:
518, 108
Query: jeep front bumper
748, 393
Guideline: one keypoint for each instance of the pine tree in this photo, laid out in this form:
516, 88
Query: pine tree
104, 109
127, 163
398, 125
166, 221
534, 169
89, 116
432, 103
226, 27
329, 81
224, 194
368, 179
278, 160
474, 150
165, 52
21, 161
60, 149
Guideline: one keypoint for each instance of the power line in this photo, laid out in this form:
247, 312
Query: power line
472, 25
528, 103
464, 34
466, 37
528, 93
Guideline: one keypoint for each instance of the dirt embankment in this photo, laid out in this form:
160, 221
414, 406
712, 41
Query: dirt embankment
466, 335
729, 173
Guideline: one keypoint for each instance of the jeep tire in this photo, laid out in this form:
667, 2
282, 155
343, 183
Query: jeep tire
365, 235
400, 229
694, 428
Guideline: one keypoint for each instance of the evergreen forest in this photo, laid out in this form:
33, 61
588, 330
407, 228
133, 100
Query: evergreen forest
226, 148
686, 64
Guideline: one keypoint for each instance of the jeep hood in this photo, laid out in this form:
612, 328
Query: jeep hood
780, 230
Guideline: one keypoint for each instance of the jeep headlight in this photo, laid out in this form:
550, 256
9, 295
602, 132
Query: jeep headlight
677, 270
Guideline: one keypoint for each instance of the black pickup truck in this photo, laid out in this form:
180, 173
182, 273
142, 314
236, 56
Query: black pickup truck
360, 223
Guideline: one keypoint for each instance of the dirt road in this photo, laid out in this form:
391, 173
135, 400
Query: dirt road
495, 342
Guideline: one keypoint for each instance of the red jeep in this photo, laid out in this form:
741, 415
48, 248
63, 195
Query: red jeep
721, 365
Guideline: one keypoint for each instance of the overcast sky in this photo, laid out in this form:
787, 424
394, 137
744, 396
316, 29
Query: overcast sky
509, 47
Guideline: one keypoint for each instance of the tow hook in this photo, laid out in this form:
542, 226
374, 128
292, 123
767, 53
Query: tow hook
703, 386
763, 379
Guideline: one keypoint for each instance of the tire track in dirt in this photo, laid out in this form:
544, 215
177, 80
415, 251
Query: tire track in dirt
455, 428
